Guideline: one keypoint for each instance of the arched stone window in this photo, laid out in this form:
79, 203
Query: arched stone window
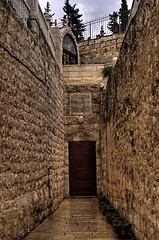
70, 55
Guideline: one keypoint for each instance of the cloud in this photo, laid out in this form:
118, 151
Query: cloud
98, 8
90, 9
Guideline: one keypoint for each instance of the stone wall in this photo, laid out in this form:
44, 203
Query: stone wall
32, 129
83, 79
131, 169
102, 50
83, 74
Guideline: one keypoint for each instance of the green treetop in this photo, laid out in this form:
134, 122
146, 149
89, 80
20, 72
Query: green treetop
123, 15
113, 24
74, 19
48, 11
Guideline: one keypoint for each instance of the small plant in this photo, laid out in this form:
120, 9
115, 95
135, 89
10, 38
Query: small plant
114, 215
121, 223
104, 204
109, 208
111, 216
121, 226
106, 71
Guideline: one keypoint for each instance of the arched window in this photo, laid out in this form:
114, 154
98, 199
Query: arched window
70, 55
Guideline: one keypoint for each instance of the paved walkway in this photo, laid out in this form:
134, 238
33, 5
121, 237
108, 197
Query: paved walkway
76, 218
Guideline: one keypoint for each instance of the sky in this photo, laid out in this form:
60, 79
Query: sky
90, 9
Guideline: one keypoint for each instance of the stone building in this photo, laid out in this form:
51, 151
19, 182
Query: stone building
65, 130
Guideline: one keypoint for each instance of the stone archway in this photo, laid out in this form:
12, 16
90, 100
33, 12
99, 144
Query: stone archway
69, 47
69, 55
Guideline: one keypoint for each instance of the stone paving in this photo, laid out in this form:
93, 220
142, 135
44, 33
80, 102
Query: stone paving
76, 218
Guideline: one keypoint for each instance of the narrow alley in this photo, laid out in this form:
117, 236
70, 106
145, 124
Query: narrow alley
76, 218
79, 121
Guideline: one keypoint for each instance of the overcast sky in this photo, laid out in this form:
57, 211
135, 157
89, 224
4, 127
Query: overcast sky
90, 9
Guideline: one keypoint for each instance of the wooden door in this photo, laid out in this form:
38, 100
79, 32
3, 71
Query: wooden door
82, 168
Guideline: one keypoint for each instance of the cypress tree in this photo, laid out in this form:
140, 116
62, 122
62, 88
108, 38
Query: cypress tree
123, 15
102, 31
48, 10
113, 24
74, 19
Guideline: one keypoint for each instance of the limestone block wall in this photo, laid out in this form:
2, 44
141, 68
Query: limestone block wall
83, 79
32, 130
102, 50
131, 168
85, 74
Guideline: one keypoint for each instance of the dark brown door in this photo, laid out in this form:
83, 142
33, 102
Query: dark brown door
82, 168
